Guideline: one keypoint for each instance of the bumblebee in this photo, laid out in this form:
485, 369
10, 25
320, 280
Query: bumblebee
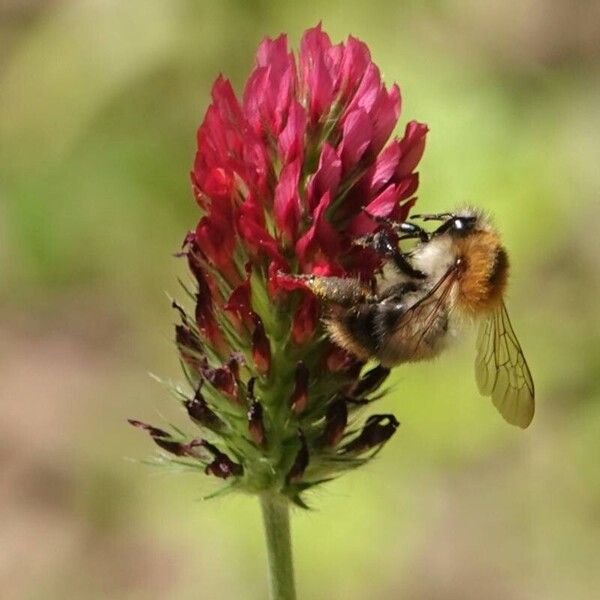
456, 273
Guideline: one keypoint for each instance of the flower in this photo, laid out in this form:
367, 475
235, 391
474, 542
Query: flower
286, 179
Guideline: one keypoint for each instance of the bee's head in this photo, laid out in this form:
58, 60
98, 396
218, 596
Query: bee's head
463, 222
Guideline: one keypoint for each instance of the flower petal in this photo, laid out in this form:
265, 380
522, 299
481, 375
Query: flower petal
305, 320
291, 140
412, 146
326, 179
286, 206
356, 137
317, 81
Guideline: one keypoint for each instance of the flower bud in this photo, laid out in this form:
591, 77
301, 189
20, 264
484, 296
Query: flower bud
336, 420
305, 320
222, 466
200, 413
300, 462
239, 302
299, 398
233, 364
369, 382
161, 438
337, 360
256, 426
377, 430
261, 349
222, 379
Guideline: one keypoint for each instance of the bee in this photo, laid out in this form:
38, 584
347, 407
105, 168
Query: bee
456, 273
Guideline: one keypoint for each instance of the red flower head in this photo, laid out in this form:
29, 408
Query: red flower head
286, 178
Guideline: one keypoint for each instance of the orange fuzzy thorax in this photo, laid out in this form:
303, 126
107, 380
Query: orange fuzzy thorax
484, 273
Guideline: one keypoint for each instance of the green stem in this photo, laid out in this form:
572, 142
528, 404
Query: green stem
276, 519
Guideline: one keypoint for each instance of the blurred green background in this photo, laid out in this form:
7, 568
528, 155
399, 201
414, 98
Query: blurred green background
99, 102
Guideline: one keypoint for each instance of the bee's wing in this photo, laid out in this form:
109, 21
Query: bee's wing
501, 370
419, 325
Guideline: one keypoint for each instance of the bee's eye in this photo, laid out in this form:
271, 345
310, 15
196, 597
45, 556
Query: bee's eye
462, 224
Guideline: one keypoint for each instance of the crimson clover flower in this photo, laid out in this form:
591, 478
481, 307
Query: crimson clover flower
286, 178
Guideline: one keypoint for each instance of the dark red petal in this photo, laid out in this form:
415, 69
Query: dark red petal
256, 426
403, 210
408, 186
321, 241
153, 431
204, 312
356, 136
382, 206
215, 239
291, 139
261, 348
367, 92
369, 382
253, 209
219, 184
225, 101
299, 398
326, 179
286, 206
362, 262
199, 411
240, 304
259, 243
273, 53
412, 146
255, 102
377, 430
270, 87
161, 438
236, 360
222, 466
222, 379
189, 346
384, 116
384, 168
317, 82
324, 266
305, 320
336, 420
286, 282
286, 88
300, 462
354, 60
336, 360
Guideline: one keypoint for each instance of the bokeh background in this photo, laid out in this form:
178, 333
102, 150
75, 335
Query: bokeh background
99, 102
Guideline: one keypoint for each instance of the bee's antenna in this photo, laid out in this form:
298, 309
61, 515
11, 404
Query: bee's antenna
434, 216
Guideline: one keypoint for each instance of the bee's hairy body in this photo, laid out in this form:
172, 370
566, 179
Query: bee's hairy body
372, 330
377, 328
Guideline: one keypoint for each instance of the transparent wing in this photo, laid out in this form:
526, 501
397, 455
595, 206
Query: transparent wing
420, 322
501, 370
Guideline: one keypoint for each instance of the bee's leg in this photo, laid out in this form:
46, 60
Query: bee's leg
404, 230
344, 291
407, 231
383, 244
404, 266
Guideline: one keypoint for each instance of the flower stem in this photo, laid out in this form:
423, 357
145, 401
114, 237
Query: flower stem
276, 519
